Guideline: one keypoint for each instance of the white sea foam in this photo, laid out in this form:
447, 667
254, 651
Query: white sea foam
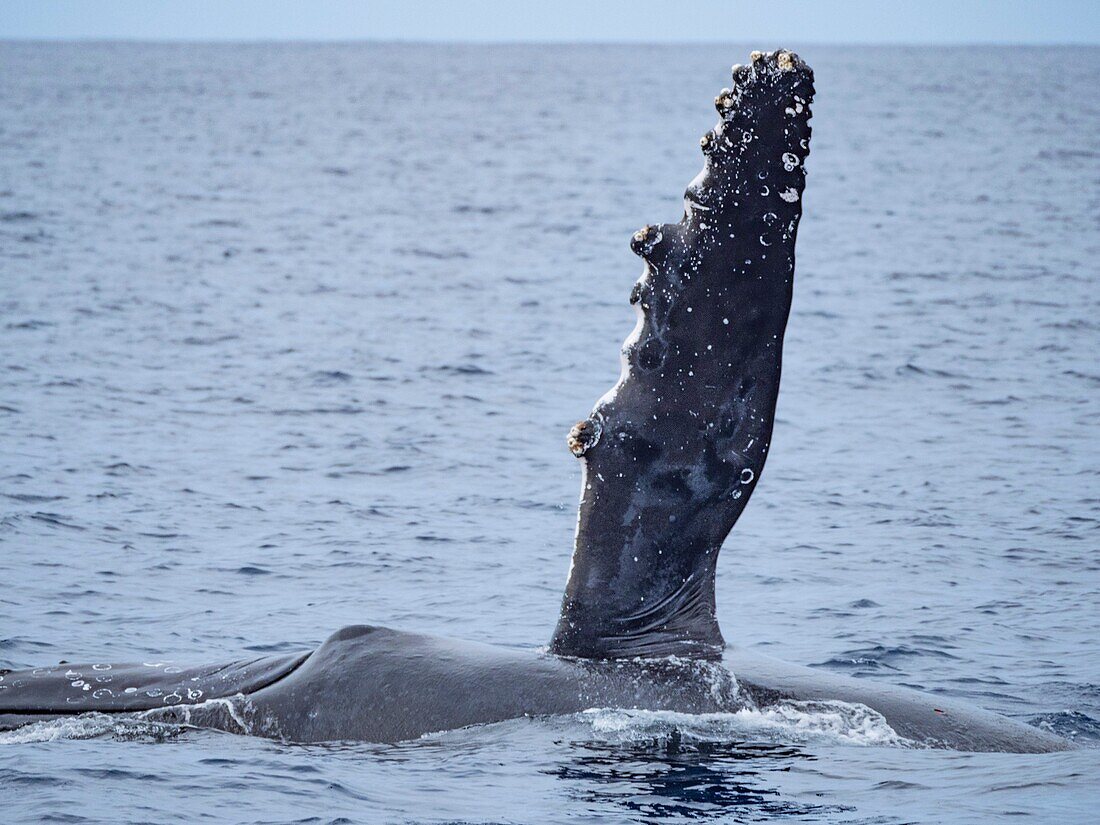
829, 722
233, 713
88, 726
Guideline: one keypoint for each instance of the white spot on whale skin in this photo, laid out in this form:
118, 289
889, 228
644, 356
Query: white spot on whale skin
789, 195
747, 475
790, 161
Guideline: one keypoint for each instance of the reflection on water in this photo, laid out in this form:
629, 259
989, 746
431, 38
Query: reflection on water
670, 779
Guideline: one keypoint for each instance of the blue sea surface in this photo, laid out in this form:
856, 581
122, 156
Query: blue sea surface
291, 337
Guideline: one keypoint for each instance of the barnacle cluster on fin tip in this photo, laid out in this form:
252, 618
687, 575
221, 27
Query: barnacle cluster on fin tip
770, 95
584, 435
643, 241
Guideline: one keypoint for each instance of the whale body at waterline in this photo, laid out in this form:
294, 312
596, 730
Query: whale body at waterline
373, 684
671, 456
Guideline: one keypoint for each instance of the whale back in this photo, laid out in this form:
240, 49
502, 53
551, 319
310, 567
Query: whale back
674, 451
115, 688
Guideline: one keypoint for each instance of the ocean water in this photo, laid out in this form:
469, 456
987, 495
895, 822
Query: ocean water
291, 337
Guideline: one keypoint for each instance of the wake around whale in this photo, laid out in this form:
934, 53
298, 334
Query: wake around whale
671, 456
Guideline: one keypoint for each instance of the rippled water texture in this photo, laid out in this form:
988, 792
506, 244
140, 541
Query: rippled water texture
291, 337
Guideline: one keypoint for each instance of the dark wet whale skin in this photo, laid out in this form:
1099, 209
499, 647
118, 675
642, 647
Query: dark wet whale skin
674, 452
367, 683
671, 459
374, 684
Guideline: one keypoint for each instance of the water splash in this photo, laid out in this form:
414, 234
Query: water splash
825, 722
233, 714
92, 726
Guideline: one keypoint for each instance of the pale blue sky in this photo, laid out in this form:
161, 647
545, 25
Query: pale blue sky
793, 21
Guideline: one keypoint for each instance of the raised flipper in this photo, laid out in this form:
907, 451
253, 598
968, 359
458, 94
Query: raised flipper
66, 690
673, 452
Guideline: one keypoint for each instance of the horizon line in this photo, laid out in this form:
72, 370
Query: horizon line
549, 42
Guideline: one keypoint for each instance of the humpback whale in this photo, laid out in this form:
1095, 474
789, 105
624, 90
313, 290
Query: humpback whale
671, 456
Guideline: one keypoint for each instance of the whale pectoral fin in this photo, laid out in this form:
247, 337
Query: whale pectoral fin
118, 688
673, 452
